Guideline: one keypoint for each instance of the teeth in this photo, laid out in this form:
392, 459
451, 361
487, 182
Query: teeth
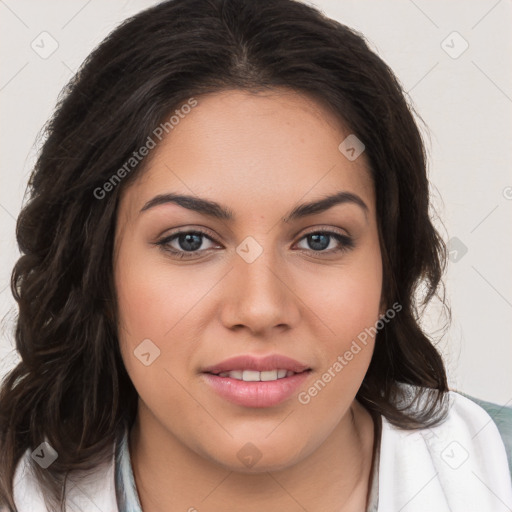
254, 376
251, 376
269, 375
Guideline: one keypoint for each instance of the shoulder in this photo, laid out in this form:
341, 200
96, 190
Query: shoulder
93, 491
470, 413
460, 464
479, 422
502, 417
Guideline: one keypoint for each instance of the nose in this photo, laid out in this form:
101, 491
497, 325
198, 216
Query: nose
259, 296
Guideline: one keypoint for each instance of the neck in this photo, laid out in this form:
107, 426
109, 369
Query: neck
171, 476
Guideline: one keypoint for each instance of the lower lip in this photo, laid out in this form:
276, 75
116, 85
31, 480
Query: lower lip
256, 394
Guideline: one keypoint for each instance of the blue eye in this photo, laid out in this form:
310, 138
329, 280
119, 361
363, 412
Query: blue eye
190, 243
320, 240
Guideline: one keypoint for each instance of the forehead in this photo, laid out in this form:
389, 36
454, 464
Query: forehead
251, 150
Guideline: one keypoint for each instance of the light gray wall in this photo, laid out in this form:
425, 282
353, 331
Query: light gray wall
465, 98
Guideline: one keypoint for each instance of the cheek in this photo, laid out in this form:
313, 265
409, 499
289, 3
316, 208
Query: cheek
349, 311
153, 296
160, 303
347, 301
153, 320
347, 298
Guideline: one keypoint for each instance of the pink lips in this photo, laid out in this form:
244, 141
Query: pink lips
259, 393
260, 364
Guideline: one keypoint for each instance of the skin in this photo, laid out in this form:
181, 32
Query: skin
243, 150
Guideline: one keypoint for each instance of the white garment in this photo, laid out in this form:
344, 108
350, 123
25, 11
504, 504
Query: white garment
457, 466
92, 494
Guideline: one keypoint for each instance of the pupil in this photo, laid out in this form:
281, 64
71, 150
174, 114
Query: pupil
187, 241
316, 243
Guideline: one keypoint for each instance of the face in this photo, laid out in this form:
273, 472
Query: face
195, 289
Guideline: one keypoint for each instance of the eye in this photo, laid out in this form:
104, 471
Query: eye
187, 244
319, 241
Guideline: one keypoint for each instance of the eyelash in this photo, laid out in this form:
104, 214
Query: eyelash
346, 243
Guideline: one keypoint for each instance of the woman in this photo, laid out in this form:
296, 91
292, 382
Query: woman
227, 225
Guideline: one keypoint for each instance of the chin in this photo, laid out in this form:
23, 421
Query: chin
251, 459
262, 466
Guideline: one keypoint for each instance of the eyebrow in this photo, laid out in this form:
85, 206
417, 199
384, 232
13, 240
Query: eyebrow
217, 211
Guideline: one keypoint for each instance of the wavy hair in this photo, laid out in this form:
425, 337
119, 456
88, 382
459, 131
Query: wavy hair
70, 387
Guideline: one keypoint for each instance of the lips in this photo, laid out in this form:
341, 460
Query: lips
255, 376
256, 381
272, 362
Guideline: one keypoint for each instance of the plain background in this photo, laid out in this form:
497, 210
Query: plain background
452, 59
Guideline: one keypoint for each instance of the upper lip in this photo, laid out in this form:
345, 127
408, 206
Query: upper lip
260, 364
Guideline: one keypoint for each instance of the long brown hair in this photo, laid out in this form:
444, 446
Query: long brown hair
71, 387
